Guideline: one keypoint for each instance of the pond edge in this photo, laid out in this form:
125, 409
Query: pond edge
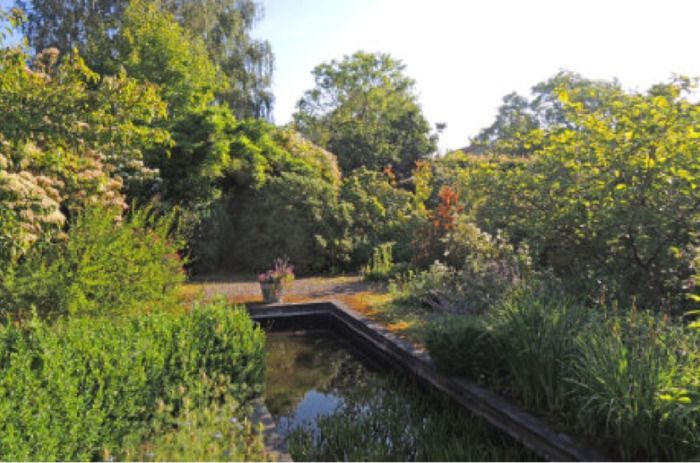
533, 432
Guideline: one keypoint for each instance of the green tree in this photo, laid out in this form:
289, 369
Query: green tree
274, 194
611, 197
380, 213
68, 139
520, 122
153, 47
224, 26
246, 63
364, 110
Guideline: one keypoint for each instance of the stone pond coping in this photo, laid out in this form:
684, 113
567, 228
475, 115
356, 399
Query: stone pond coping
531, 431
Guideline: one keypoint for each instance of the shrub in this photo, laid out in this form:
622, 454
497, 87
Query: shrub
610, 196
487, 270
83, 388
381, 266
379, 212
103, 265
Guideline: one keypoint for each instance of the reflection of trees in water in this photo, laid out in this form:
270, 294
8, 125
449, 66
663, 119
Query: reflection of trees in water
297, 364
381, 416
386, 418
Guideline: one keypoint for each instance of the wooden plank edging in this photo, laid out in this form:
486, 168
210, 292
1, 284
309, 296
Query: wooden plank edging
533, 432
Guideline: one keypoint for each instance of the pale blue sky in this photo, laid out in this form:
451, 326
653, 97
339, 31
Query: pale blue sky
466, 55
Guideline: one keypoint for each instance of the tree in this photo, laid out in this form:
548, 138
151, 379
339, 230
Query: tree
364, 110
611, 199
223, 25
246, 63
153, 47
69, 139
278, 196
520, 122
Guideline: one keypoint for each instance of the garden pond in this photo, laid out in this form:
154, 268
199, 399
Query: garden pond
332, 402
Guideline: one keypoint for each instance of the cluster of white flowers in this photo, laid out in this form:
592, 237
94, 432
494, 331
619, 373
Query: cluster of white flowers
33, 191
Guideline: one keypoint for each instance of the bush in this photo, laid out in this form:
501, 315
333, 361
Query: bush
609, 198
381, 266
102, 265
87, 387
488, 269
378, 213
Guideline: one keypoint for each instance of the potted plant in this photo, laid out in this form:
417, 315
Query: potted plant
274, 281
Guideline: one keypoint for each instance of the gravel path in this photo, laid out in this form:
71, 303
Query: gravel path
247, 290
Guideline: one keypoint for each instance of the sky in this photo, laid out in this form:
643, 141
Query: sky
466, 55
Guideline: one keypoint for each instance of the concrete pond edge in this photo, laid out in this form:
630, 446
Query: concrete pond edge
531, 431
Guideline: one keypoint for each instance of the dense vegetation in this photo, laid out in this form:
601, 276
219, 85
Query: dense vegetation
90, 388
133, 142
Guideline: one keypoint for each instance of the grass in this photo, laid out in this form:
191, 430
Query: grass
625, 382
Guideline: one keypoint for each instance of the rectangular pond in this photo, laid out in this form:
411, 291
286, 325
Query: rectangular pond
332, 401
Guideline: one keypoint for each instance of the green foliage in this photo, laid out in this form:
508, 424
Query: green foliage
64, 107
381, 265
379, 212
101, 266
619, 380
68, 139
291, 215
95, 27
480, 271
630, 383
246, 63
364, 110
279, 196
520, 122
88, 387
610, 199
153, 47
192, 170
209, 425
203, 430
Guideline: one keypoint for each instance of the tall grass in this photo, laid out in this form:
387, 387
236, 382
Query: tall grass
626, 382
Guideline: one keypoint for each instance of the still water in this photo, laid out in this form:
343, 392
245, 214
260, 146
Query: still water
309, 375
332, 403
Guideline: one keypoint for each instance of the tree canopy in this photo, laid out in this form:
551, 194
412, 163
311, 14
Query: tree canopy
364, 109
520, 120
223, 26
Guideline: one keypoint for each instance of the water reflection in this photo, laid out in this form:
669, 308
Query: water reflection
330, 404
309, 375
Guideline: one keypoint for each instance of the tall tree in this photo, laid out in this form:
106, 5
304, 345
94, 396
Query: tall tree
153, 47
224, 25
364, 110
246, 63
519, 123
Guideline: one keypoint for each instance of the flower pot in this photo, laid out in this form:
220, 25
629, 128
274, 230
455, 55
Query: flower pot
272, 292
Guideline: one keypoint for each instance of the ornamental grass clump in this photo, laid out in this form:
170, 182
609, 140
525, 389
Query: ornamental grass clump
624, 381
